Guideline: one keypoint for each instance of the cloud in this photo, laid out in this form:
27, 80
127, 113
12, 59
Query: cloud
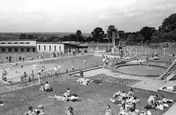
69, 15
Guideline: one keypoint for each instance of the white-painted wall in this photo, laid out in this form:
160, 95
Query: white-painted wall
41, 45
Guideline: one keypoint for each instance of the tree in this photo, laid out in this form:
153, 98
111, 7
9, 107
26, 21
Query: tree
156, 37
170, 36
89, 39
79, 35
140, 38
169, 24
30, 37
121, 34
22, 36
98, 34
73, 37
130, 39
147, 32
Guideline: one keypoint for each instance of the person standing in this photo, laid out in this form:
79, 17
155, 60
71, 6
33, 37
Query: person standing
25, 75
55, 70
10, 59
39, 77
32, 75
7, 59
19, 57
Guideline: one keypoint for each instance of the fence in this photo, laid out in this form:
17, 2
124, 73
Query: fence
36, 79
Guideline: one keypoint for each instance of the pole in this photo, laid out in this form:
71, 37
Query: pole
28, 56
15, 57
164, 51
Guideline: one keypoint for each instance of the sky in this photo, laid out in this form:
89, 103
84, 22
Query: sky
84, 15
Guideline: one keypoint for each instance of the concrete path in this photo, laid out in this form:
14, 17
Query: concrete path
171, 111
147, 83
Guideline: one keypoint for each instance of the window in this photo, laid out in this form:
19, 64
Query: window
2, 42
3, 49
39, 47
33, 49
28, 50
21, 42
44, 48
22, 49
49, 48
16, 49
59, 48
9, 42
15, 42
54, 48
27, 42
9, 49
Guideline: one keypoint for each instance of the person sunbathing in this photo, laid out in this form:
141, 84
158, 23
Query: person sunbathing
130, 93
83, 81
40, 110
167, 88
59, 97
64, 98
31, 111
123, 110
146, 112
1, 103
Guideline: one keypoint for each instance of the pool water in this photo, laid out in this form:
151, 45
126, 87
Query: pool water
142, 70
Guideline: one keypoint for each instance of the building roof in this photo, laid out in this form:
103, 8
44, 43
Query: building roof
77, 45
49, 43
17, 40
17, 46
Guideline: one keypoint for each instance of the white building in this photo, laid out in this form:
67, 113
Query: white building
23, 46
17, 46
50, 47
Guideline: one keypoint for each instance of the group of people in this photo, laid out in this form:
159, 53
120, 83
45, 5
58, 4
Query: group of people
9, 59
46, 87
38, 111
127, 101
26, 77
83, 81
158, 102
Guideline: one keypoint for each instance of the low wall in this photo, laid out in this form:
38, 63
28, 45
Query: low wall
167, 94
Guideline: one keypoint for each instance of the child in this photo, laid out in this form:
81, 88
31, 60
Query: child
108, 110
70, 111
42, 87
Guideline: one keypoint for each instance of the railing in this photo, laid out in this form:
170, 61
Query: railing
36, 79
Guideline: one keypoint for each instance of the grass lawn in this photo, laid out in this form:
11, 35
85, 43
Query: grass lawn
93, 98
